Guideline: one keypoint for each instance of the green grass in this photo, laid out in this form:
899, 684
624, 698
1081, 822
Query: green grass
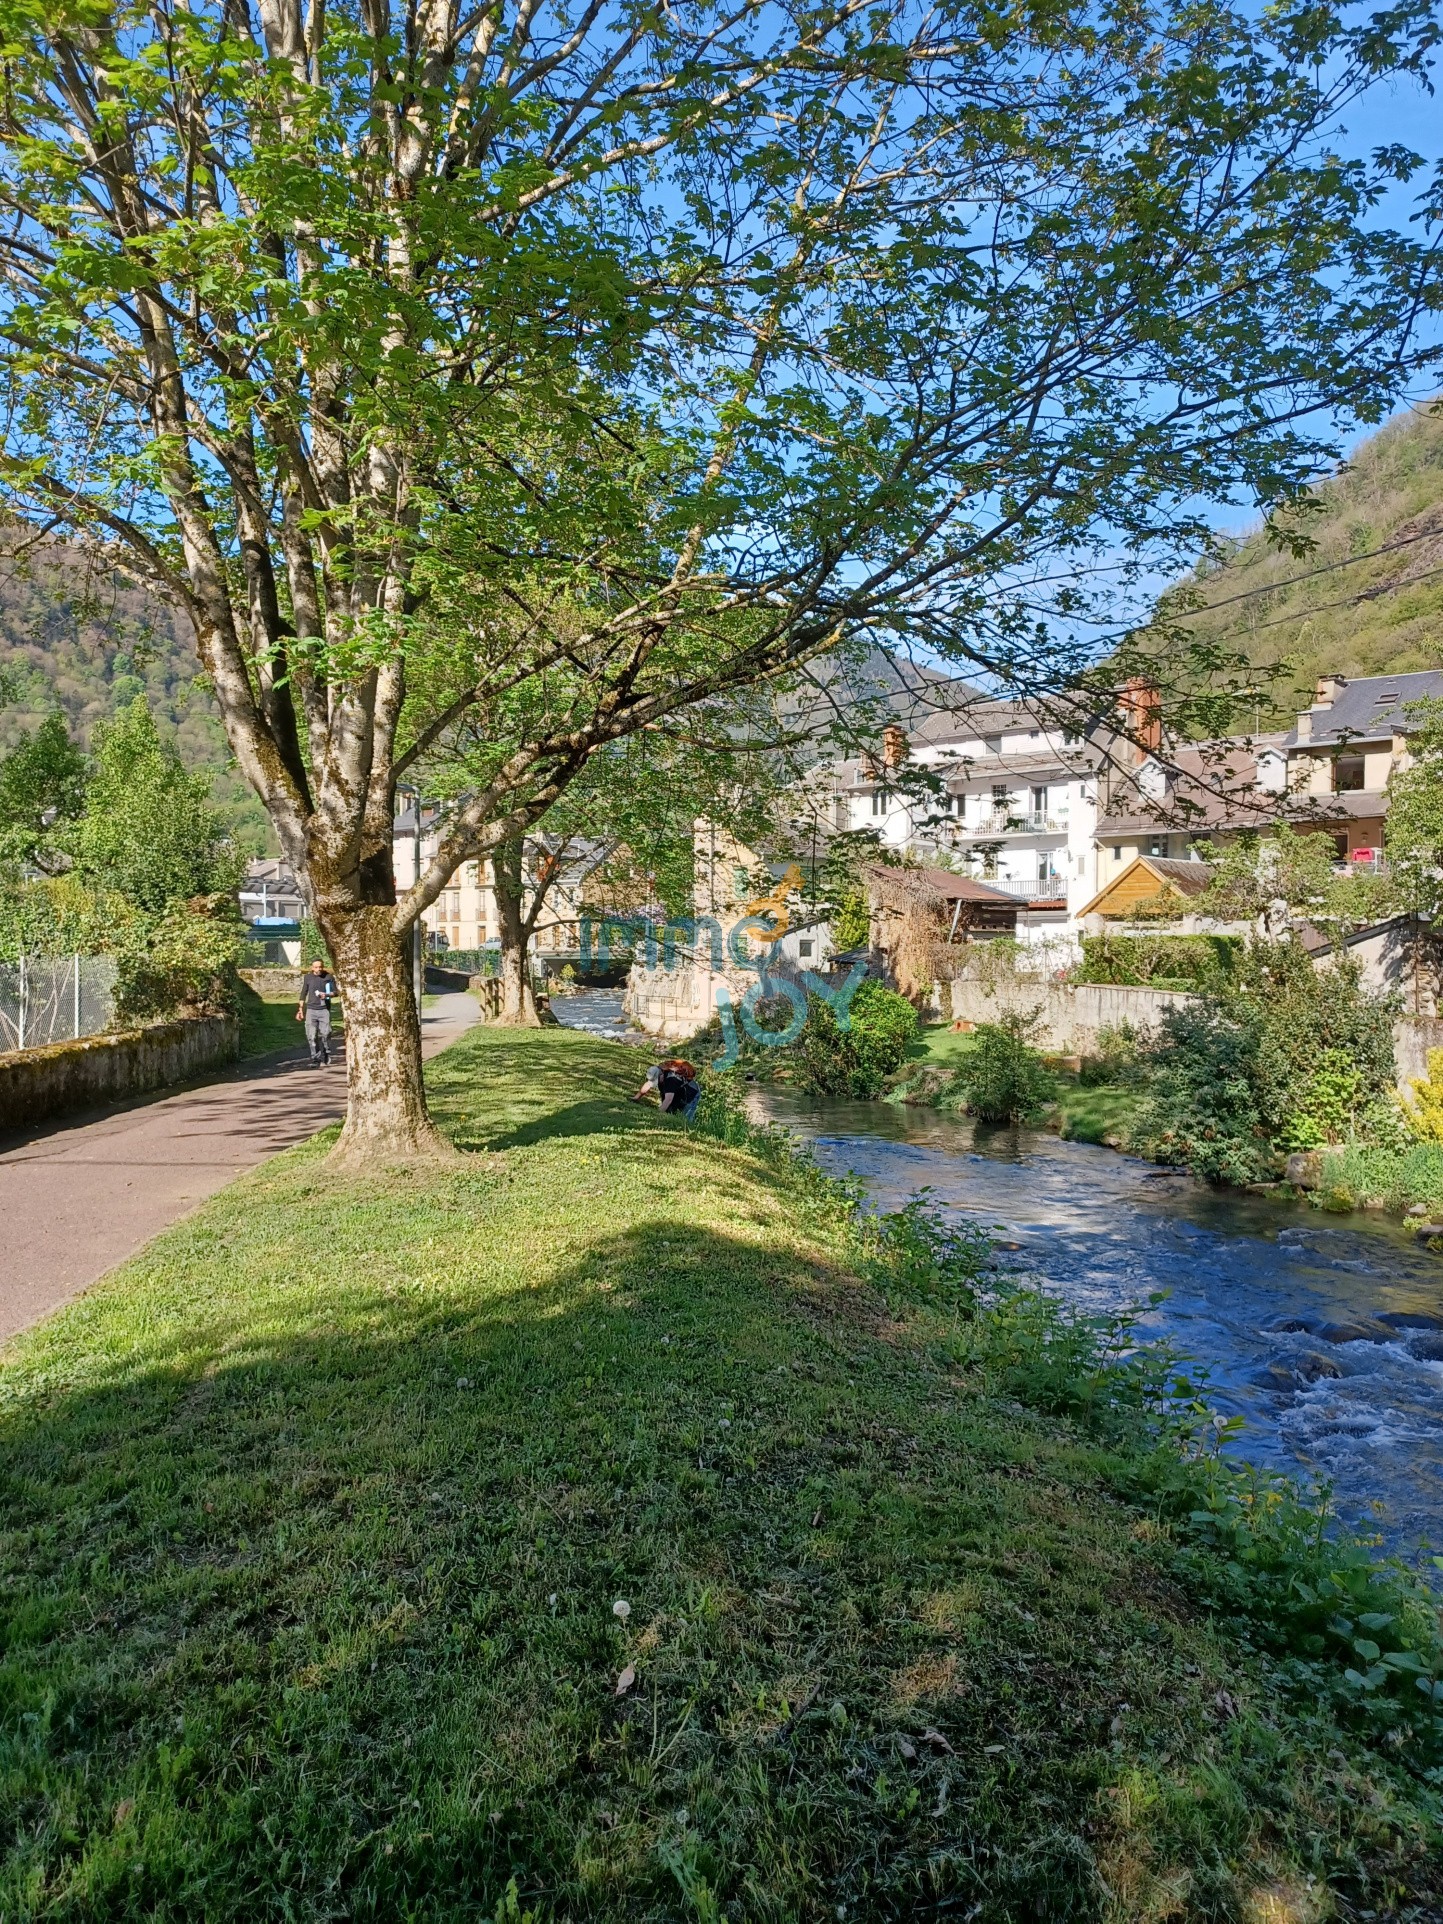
939, 1044
1361, 1174
316, 1513
1080, 1113
1094, 1113
268, 1023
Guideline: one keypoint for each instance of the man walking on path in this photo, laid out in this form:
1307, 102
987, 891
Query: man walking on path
317, 988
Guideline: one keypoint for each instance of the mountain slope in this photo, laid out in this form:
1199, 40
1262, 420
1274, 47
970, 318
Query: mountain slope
89, 643
1347, 608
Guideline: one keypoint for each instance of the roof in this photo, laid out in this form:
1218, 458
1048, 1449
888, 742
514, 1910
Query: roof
940, 881
984, 775
1370, 707
1180, 878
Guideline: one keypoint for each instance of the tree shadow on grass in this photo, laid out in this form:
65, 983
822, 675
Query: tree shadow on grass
541, 1073
312, 1600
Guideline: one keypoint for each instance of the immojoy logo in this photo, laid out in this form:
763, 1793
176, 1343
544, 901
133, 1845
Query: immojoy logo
763, 923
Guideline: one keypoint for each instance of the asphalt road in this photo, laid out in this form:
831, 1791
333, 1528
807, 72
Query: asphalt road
78, 1197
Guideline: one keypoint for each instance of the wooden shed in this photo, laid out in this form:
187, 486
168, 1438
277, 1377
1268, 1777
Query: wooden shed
1145, 882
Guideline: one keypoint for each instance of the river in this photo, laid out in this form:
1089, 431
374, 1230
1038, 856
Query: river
1262, 1294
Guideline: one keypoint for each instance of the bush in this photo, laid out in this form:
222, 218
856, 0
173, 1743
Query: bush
1423, 1117
1202, 1109
1287, 1056
1117, 1058
1201, 963
855, 1061
1004, 1079
185, 964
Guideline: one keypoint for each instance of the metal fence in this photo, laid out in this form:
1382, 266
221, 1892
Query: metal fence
55, 998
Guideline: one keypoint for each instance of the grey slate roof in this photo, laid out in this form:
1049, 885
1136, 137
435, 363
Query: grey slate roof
1371, 707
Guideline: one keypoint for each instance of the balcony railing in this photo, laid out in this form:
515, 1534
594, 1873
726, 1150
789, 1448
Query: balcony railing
1052, 888
1003, 822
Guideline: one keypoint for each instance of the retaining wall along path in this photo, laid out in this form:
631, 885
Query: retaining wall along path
37, 1084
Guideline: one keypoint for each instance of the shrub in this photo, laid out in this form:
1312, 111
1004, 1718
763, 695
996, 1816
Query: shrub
1287, 1056
851, 921
1195, 962
855, 1061
1004, 1079
185, 963
1202, 1109
1117, 1058
1424, 1115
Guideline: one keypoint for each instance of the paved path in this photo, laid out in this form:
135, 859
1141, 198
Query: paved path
79, 1197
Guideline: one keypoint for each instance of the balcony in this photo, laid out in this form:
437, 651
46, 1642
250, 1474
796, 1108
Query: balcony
1051, 888
1002, 822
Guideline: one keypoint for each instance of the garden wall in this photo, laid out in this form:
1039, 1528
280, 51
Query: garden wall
269, 982
37, 1084
1413, 1037
1071, 1016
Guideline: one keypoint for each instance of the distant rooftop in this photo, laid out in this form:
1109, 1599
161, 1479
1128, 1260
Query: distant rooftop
1370, 706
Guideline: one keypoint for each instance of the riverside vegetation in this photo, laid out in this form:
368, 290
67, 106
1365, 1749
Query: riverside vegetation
1272, 1056
615, 1523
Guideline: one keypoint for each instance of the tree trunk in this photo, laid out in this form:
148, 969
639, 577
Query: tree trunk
386, 1118
518, 999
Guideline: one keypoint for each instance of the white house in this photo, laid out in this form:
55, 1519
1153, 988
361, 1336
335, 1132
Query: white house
1007, 791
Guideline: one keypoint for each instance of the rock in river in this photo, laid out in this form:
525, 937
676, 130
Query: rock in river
1362, 1329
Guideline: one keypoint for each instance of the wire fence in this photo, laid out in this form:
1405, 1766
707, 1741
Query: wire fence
55, 998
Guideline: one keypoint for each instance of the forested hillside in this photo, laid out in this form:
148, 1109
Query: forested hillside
1369, 599
90, 642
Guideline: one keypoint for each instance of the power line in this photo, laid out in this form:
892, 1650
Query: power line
1352, 561
1348, 601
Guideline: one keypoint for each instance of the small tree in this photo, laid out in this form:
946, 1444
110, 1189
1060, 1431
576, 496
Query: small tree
1004, 1079
148, 831
42, 788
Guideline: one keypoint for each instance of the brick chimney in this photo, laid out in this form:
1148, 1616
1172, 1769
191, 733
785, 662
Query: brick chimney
1140, 706
894, 745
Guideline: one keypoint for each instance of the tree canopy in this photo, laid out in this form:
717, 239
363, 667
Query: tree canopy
557, 370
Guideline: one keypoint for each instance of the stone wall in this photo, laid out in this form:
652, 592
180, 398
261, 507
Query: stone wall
38, 1084
672, 1003
1413, 1037
269, 982
1071, 1015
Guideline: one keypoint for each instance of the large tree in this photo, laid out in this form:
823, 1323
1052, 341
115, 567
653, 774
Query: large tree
563, 367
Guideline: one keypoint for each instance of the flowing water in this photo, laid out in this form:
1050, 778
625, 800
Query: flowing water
1324, 1333
597, 1012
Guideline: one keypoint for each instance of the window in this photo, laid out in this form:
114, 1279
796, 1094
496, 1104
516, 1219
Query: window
1117, 851
1039, 801
879, 802
1347, 774
804, 947
1158, 845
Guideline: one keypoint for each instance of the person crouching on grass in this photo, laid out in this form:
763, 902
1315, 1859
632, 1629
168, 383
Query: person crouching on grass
674, 1083
318, 986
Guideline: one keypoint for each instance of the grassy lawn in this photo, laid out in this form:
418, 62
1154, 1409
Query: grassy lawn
268, 1023
938, 1043
1082, 1113
319, 1515
1092, 1114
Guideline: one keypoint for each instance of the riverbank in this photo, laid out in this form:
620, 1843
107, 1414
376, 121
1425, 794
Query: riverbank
578, 1516
1085, 1108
